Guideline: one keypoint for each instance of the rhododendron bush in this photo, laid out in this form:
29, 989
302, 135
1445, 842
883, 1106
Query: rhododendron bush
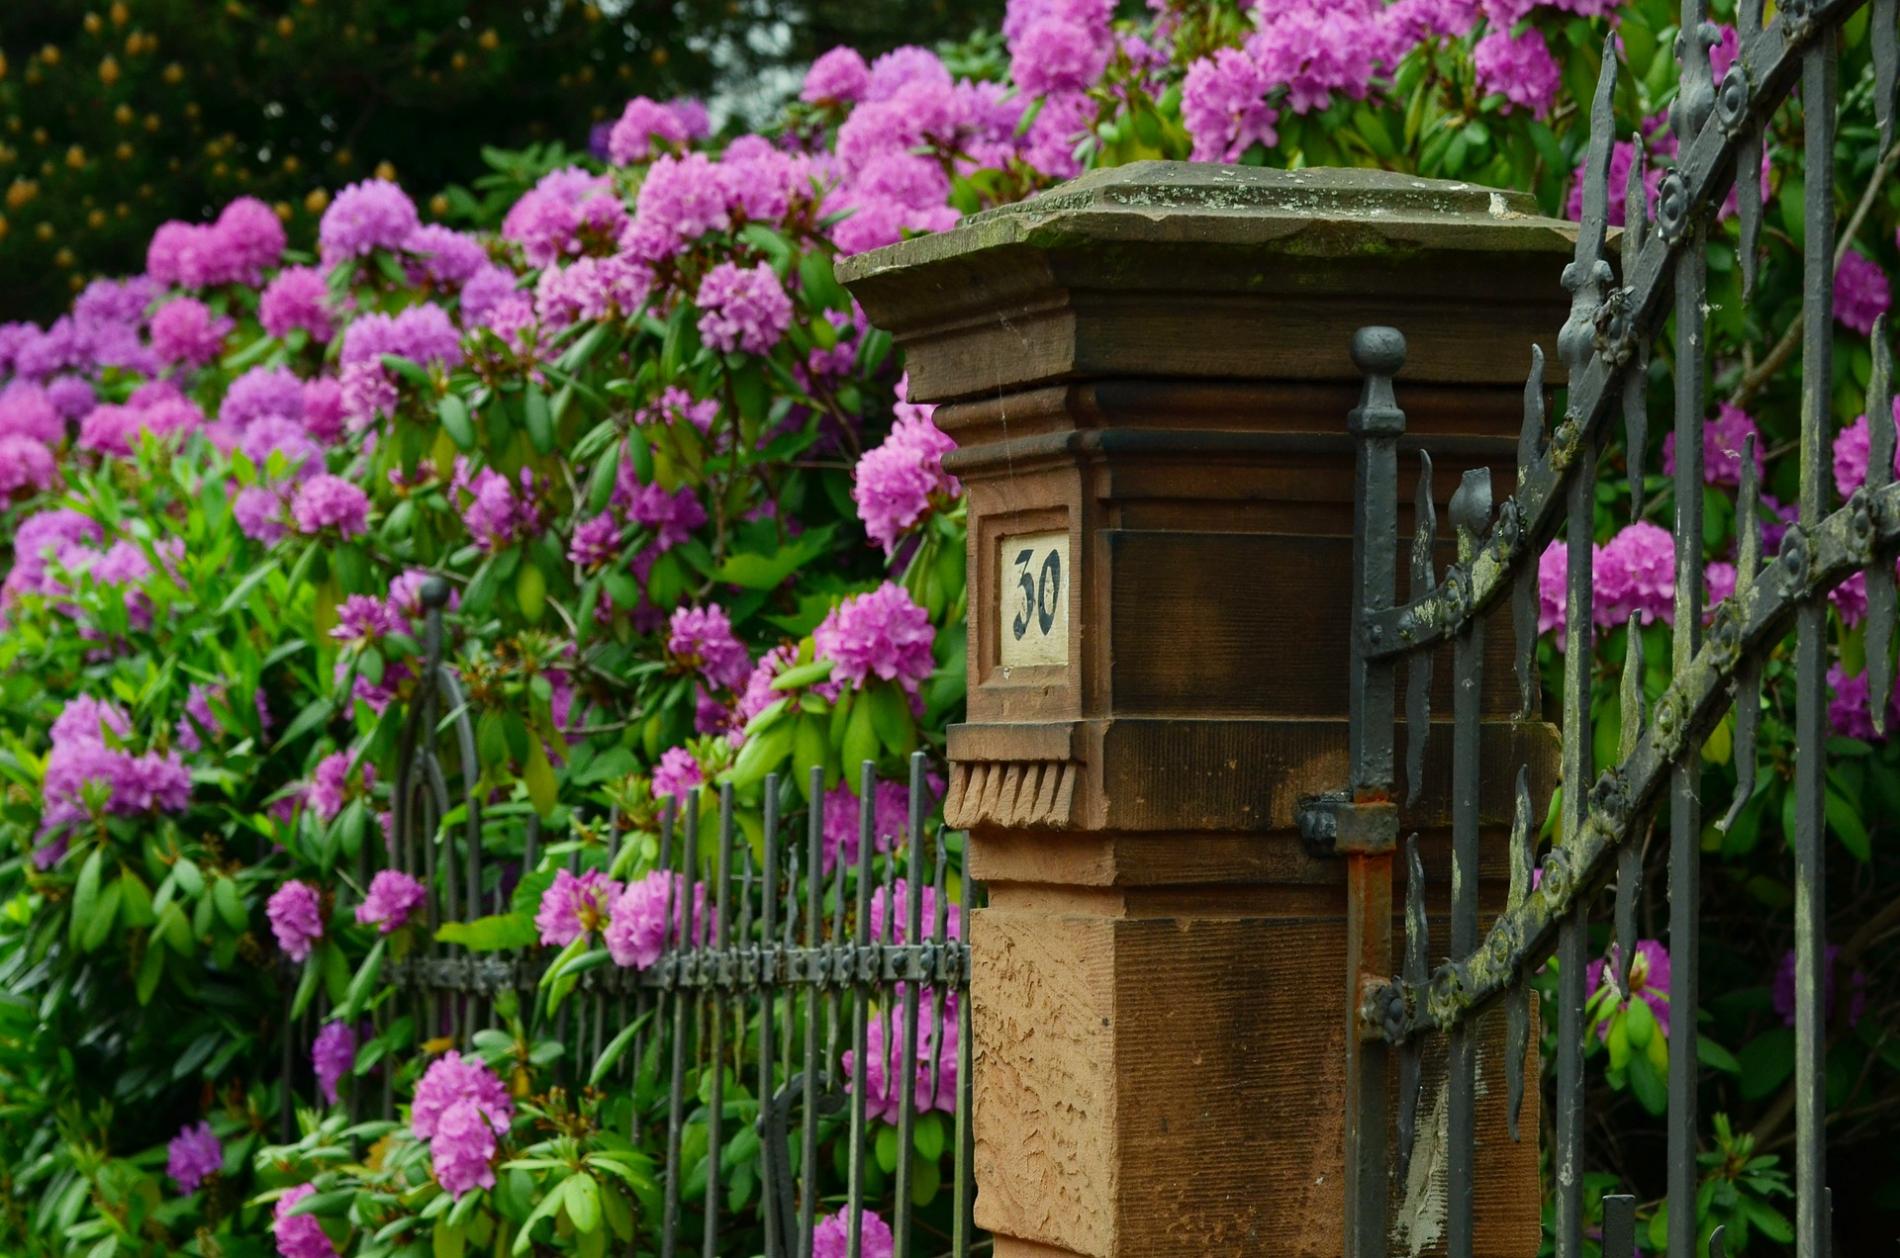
686, 530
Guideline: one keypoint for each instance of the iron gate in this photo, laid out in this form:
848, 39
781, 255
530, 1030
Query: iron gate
792, 987
1604, 347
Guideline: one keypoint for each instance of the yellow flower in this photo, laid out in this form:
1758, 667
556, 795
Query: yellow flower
123, 115
76, 157
316, 200
50, 54
119, 13
108, 71
174, 74
123, 151
285, 27
385, 172
44, 231
93, 24
489, 40
64, 258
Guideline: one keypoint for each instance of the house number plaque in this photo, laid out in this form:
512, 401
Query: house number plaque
1033, 608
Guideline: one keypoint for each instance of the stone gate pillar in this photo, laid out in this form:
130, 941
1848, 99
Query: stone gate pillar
1146, 373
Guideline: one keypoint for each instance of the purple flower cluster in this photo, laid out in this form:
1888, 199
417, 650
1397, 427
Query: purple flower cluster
1852, 446
330, 503
840, 77
896, 483
894, 926
364, 217
1224, 106
880, 1075
297, 299
460, 1109
90, 762
643, 127
701, 640
890, 804
1783, 991
882, 634
246, 240
1861, 292
567, 213
574, 906
332, 1055
296, 918
185, 333
193, 1155
299, 1235
1518, 68
649, 915
1648, 980
677, 775
831, 1238
742, 308
393, 897
1723, 440
497, 511
1058, 45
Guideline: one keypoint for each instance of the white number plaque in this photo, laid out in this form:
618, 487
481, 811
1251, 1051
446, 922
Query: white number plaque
1033, 604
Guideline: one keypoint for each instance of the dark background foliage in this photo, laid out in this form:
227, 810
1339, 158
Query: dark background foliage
116, 115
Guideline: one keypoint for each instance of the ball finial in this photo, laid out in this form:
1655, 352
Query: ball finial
1378, 351
435, 593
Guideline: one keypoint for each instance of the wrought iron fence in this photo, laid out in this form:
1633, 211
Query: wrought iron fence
1604, 347
830, 1002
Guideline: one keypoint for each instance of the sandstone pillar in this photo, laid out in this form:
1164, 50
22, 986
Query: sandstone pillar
1146, 373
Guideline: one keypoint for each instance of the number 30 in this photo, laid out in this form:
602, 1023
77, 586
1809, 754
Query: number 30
1040, 593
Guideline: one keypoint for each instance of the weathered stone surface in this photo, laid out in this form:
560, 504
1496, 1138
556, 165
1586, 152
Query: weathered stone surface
1152, 361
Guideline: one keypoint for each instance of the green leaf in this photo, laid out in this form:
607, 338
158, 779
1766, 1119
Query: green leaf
448, 1240
85, 894
1714, 1056
538, 775
600, 484
452, 413
802, 675
332, 1202
1766, 1061
414, 372
306, 987
616, 1049
860, 737
99, 925
755, 571
230, 904
1844, 820
539, 419
531, 591
365, 981
241, 592
890, 715
547, 1206
887, 1148
640, 454
583, 1202
760, 755
151, 966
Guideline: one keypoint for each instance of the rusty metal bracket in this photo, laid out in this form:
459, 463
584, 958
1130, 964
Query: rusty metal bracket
1336, 824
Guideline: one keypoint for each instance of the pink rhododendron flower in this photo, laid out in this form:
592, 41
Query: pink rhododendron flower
186, 333
330, 502
643, 123
296, 918
640, 929
831, 1238
364, 217
742, 308
332, 1055
1648, 980
1784, 989
1723, 439
882, 634
890, 803
896, 483
193, 1154
1518, 68
573, 906
1851, 447
299, 1235
297, 298
393, 897
677, 775
881, 1075
838, 77
701, 639
1861, 292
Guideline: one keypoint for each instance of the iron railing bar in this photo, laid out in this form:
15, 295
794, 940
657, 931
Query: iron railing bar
1470, 513
860, 1025
814, 908
714, 1050
907, 1075
679, 915
768, 1030
1819, 91
1695, 103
